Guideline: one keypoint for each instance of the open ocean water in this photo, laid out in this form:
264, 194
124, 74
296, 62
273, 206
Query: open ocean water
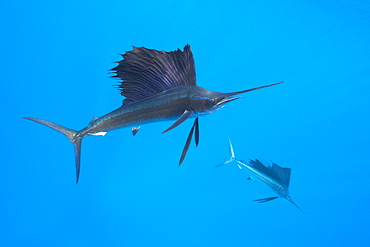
55, 57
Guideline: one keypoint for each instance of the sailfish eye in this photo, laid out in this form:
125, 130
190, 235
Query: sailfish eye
211, 102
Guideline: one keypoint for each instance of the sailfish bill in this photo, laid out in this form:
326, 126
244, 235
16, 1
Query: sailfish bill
156, 86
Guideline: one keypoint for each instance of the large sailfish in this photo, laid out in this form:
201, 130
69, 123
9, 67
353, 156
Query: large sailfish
157, 86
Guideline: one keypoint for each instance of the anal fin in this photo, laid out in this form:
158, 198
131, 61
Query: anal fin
134, 130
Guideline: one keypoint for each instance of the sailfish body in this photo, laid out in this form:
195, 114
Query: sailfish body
157, 86
275, 177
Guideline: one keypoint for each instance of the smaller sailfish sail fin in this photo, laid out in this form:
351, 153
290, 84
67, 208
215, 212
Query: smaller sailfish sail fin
282, 174
264, 168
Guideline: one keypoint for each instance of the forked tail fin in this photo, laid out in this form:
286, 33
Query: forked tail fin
72, 136
232, 157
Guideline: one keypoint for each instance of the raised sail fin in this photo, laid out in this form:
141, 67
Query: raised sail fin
147, 72
282, 174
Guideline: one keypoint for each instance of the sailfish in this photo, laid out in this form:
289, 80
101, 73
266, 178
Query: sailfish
157, 86
274, 176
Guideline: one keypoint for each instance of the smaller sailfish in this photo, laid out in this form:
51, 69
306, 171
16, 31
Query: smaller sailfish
274, 176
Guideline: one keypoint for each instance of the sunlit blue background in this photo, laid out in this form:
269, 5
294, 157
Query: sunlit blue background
54, 61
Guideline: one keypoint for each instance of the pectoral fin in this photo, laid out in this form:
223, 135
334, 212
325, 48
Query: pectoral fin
181, 119
265, 199
196, 123
185, 150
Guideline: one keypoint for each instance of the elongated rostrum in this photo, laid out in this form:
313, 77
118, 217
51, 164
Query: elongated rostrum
157, 86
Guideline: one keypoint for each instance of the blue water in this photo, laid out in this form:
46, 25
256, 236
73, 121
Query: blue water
54, 61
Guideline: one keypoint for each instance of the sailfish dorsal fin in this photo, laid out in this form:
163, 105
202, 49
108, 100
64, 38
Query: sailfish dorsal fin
147, 72
281, 175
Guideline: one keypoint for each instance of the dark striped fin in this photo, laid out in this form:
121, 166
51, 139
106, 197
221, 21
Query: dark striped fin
147, 72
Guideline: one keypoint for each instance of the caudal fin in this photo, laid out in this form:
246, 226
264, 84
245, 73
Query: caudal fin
72, 136
232, 157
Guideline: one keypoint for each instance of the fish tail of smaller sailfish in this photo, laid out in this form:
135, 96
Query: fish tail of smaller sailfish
232, 156
70, 134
